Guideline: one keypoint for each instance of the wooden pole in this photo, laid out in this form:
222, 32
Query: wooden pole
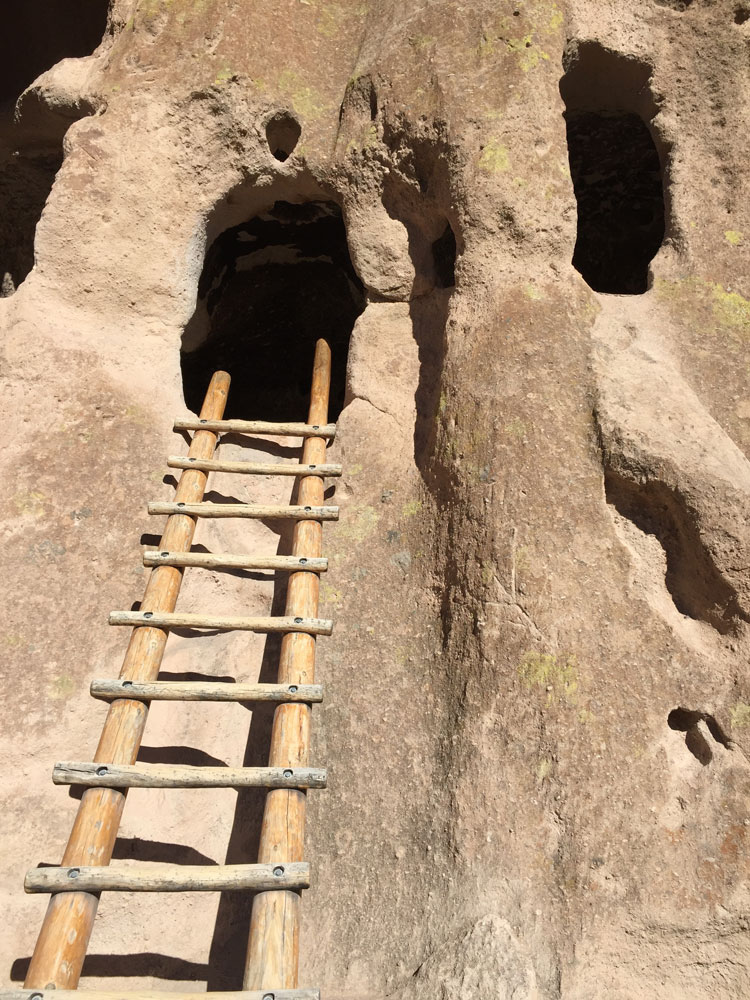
273, 948
168, 878
253, 468
257, 427
18, 994
94, 774
64, 937
205, 691
219, 560
257, 511
181, 619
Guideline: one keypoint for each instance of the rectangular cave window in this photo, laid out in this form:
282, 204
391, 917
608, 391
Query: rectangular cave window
270, 288
615, 168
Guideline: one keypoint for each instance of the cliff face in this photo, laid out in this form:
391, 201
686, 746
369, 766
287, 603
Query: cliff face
537, 714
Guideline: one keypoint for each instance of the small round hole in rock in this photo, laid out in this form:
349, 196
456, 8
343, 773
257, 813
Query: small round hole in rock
282, 133
741, 15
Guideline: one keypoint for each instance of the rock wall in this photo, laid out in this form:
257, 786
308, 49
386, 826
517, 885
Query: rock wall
537, 714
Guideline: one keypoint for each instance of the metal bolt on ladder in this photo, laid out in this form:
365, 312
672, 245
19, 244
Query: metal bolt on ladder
272, 966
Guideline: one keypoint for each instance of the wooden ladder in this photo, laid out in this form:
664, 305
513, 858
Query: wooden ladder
271, 971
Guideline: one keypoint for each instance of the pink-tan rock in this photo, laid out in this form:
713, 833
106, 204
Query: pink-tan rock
537, 702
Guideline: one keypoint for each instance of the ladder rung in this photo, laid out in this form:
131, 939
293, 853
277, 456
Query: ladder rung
257, 427
163, 619
169, 878
253, 468
204, 691
217, 560
268, 994
95, 775
245, 510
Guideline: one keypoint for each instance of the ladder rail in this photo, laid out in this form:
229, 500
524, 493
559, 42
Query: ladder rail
63, 939
273, 944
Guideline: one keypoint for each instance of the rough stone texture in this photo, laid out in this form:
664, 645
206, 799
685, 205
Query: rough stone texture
543, 545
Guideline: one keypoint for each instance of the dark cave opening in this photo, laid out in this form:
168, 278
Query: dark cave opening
35, 36
444, 258
270, 288
615, 167
25, 184
618, 186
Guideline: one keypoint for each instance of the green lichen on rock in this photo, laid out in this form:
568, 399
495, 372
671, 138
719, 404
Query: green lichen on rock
731, 309
306, 101
495, 157
330, 595
224, 75
740, 715
31, 504
515, 428
150, 8
368, 139
707, 305
62, 687
421, 42
528, 52
359, 523
523, 37
556, 674
333, 13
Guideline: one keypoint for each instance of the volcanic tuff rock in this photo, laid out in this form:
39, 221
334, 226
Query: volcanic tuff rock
537, 714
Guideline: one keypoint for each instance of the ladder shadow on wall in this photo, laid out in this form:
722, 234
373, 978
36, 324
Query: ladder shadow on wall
429, 315
145, 963
226, 960
225, 966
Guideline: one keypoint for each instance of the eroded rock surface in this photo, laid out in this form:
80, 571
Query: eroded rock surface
537, 713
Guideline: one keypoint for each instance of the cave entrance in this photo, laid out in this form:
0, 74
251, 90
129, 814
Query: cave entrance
615, 167
269, 289
36, 35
